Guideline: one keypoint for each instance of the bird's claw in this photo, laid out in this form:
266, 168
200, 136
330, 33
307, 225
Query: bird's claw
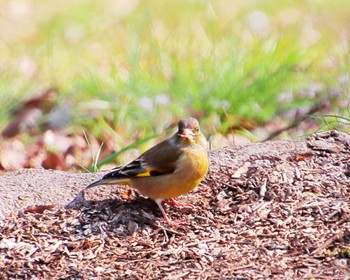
176, 203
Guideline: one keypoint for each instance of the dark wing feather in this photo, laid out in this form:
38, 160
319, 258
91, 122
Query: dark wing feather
160, 159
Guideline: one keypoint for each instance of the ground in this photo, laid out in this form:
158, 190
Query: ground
268, 210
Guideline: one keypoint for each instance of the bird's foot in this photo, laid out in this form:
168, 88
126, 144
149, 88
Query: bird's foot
176, 203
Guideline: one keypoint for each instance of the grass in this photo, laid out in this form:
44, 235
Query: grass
131, 68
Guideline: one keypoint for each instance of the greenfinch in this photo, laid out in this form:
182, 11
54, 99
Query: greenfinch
171, 168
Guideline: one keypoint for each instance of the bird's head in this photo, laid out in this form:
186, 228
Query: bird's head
189, 129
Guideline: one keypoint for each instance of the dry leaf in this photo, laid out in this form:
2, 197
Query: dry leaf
39, 209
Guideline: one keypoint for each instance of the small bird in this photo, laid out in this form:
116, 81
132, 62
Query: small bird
171, 168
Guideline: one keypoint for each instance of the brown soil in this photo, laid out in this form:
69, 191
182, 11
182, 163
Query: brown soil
269, 210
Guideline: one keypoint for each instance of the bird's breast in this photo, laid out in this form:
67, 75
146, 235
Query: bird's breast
191, 167
192, 164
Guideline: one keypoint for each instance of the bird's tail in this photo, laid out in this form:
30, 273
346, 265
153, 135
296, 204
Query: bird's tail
108, 181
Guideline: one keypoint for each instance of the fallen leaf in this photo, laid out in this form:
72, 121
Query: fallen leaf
13, 155
39, 209
54, 160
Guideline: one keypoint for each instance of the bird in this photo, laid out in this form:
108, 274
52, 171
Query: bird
169, 169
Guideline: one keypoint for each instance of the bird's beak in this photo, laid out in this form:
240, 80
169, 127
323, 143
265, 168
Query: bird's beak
187, 134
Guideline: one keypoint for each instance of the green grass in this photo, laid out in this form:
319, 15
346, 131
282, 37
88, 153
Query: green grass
130, 72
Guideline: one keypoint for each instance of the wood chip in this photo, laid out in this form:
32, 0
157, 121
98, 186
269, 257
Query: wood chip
260, 225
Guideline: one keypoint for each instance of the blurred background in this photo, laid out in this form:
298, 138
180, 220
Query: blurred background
76, 74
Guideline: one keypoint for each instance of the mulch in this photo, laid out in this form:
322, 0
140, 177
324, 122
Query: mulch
262, 214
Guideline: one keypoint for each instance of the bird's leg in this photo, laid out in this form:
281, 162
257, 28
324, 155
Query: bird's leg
176, 203
159, 203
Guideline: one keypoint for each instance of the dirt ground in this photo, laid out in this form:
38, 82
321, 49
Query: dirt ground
268, 210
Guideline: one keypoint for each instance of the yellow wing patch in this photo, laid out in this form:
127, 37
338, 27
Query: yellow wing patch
146, 173
151, 173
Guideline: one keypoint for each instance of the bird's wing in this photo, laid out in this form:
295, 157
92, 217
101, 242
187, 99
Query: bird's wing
160, 159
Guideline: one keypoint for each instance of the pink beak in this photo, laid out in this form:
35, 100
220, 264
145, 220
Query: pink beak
187, 134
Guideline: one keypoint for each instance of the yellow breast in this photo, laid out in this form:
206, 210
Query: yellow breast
191, 168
